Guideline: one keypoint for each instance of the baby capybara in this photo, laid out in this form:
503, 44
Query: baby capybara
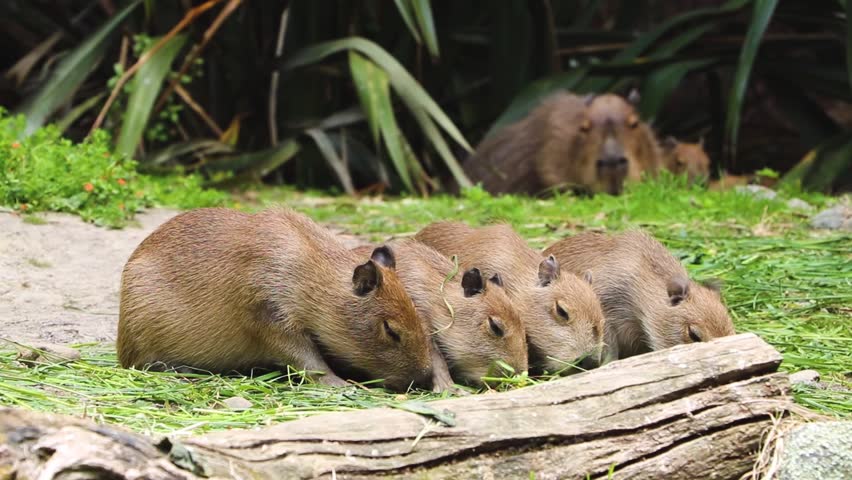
561, 313
471, 319
219, 290
649, 301
686, 158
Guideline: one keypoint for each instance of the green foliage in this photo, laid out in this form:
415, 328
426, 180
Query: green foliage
45, 172
425, 77
142, 97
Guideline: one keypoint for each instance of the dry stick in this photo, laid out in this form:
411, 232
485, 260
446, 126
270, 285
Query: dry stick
196, 51
555, 60
186, 20
273, 82
187, 99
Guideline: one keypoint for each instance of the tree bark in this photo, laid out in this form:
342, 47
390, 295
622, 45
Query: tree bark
693, 411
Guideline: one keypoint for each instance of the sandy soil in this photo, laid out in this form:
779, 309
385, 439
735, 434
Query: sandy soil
59, 281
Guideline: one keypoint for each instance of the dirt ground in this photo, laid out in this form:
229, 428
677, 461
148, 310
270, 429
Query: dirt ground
59, 281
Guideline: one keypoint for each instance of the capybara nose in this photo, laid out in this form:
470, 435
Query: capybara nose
612, 162
423, 379
590, 362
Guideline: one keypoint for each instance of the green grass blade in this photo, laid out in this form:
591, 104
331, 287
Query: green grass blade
404, 7
762, 13
77, 111
662, 82
641, 44
423, 13
337, 164
368, 79
403, 83
440, 145
258, 163
145, 87
70, 73
374, 91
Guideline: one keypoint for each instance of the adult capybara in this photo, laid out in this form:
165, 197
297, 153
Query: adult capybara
593, 143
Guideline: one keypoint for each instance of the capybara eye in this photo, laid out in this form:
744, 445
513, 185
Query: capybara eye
693, 335
632, 121
562, 312
496, 329
392, 334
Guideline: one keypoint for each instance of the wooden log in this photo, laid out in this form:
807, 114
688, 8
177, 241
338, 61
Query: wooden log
693, 411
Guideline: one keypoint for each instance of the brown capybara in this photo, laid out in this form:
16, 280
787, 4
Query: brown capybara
561, 313
592, 144
686, 158
220, 290
471, 319
648, 299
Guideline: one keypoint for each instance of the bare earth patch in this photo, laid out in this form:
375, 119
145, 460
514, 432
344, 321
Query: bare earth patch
59, 281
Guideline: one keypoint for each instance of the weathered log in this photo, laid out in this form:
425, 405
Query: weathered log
693, 411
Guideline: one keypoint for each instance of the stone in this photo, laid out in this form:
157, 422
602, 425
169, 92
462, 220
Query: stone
817, 451
238, 403
805, 376
838, 217
757, 191
46, 353
799, 204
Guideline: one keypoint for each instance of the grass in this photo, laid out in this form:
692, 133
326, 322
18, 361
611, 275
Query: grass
782, 280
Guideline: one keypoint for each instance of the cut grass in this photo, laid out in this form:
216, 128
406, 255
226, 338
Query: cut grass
783, 281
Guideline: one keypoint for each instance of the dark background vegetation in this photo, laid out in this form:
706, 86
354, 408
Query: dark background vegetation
324, 93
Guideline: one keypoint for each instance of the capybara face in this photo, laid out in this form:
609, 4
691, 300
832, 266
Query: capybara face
609, 144
489, 329
569, 327
401, 349
696, 313
687, 158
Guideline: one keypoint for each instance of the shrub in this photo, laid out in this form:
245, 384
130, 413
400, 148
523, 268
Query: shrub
46, 172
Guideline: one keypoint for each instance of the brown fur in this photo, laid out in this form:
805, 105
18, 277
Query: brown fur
560, 143
686, 158
465, 341
220, 290
632, 273
553, 340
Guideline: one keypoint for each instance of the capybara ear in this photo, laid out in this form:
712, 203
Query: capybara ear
548, 271
588, 99
384, 256
701, 141
366, 278
713, 284
669, 143
472, 282
587, 276
633, 97
678, 288
496, 279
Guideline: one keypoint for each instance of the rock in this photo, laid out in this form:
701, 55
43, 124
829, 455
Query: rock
799, 204
46, 353
757, 191
817, 451
838, 217
805, 376
238, 403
